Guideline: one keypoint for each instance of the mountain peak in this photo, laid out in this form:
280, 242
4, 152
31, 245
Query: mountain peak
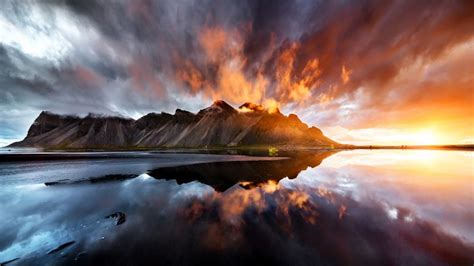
221, 103
218, 107
50, 115
47, 114
182, 112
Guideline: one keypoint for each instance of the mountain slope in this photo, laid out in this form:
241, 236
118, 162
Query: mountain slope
218, 125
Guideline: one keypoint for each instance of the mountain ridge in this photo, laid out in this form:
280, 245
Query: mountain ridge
217, 125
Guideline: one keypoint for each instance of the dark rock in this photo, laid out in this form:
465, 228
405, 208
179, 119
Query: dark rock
57, 182
98, 179
61, 247
119, 217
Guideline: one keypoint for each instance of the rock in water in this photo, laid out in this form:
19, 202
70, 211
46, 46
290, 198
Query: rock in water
119, 217
61, 247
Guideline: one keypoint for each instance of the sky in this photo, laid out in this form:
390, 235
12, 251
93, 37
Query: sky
365, 72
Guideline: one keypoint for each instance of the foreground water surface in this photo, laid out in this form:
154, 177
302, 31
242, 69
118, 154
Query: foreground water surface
354, 207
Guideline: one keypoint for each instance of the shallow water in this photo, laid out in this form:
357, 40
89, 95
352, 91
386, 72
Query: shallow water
349, 207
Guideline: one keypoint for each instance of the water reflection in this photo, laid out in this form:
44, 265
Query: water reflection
362, 211
223, 175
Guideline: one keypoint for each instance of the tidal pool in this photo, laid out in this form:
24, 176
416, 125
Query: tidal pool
358, 207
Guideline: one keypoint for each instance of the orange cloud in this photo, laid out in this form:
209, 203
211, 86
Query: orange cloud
345, 74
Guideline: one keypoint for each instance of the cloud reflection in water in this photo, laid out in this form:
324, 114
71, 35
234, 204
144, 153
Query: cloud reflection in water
304, 221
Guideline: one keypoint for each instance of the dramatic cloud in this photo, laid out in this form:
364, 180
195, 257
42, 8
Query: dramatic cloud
334, 63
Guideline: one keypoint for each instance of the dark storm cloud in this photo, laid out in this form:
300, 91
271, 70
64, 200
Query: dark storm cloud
132, 57
372, 39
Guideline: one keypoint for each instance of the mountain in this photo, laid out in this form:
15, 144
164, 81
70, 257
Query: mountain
217, 125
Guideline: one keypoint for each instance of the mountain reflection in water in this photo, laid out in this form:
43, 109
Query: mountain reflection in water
223, 175
241, 213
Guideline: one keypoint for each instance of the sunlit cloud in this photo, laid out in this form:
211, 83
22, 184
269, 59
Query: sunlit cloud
385, 66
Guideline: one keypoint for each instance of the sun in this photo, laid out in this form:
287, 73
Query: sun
425, 137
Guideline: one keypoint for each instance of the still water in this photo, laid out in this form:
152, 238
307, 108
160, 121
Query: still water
354, 207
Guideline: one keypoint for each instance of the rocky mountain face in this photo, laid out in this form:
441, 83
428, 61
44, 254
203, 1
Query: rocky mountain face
218, 125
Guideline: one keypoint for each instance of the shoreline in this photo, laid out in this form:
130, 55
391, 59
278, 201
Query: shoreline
259, 148
28, 154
